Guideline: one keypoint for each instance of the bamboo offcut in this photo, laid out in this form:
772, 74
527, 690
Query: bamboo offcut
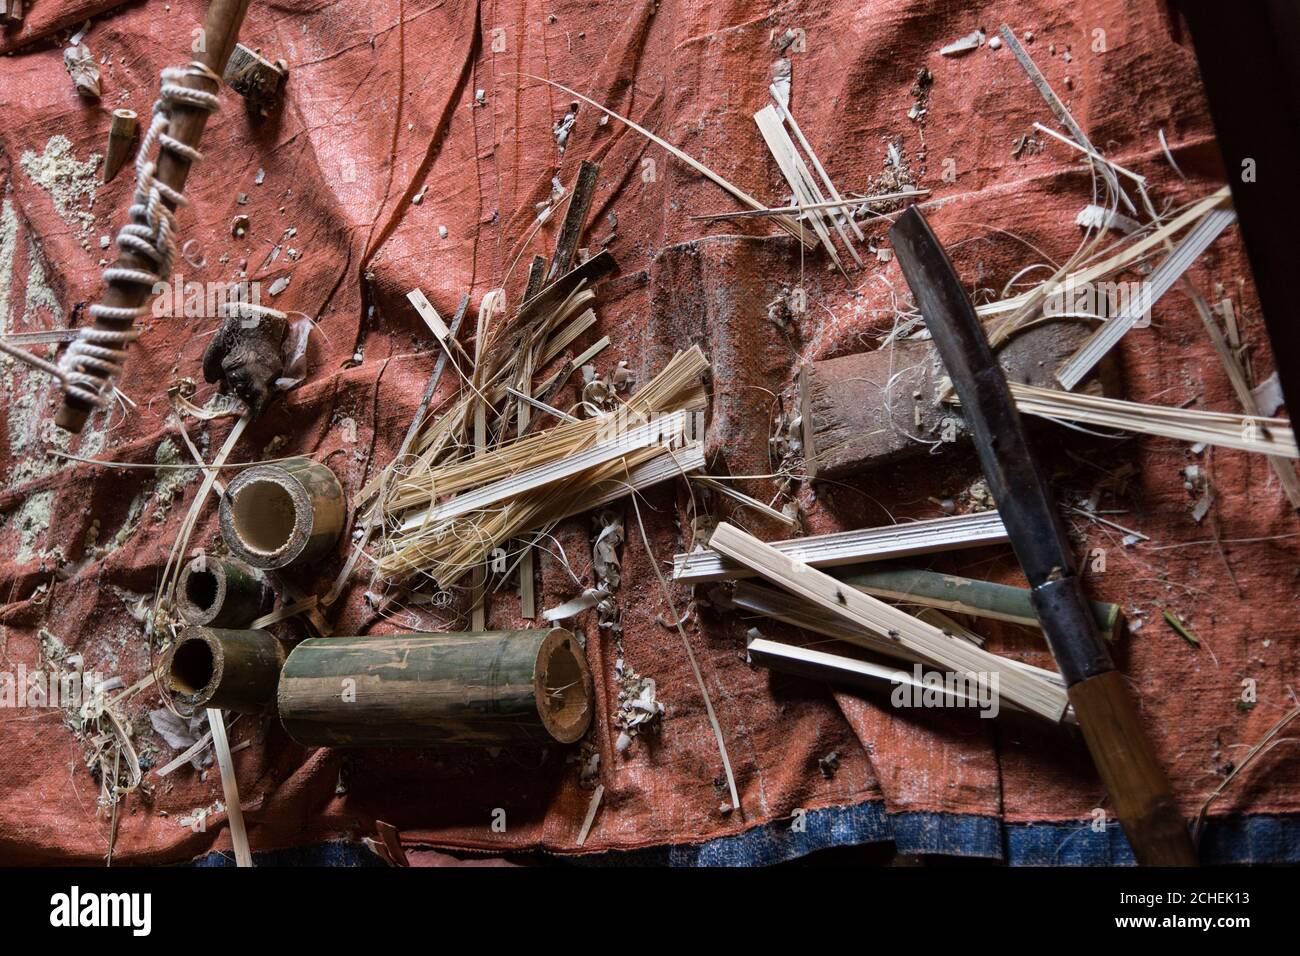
286, 515
224, 669
492, 688
221, 592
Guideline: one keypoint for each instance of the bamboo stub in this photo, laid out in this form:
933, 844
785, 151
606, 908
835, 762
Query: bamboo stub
221, 592
215, 667
288, 514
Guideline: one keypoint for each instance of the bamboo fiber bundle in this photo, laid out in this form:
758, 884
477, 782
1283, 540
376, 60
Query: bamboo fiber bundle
486, 689
530, 483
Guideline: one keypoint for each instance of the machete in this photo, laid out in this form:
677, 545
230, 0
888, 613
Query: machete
1124, 758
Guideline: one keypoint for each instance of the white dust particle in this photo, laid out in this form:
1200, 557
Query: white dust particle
67, 180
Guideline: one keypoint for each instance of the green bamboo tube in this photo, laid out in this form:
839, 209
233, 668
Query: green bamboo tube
221, 592
286, 515
225, 669
999, 602
492, 688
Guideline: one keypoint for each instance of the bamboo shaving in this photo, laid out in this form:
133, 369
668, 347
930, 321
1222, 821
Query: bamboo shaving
1267, 436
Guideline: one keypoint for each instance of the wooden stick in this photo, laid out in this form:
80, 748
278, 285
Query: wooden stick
575, 218
220, 32
851, 547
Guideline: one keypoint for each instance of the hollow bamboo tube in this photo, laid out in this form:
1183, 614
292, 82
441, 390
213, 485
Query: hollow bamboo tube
223, 668
286, 515
491, 688
221, 592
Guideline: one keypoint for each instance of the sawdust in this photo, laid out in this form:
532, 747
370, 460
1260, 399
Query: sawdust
40, 297
67, 179
171, 481
32, 521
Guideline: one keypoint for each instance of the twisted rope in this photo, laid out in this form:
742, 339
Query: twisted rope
151, 235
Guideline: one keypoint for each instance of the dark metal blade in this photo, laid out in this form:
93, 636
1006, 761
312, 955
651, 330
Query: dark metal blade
1015, 480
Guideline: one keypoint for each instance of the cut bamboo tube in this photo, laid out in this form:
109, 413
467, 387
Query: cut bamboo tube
221, 592
851, 547
289, 514
915, 638
213, 667
493, 688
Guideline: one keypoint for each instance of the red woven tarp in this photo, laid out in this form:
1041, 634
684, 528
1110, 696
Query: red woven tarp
380, 107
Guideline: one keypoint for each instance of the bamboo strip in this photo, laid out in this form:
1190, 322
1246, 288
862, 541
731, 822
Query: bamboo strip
850, 547
1267, 436
560, 340
817, 163
1128, 253
928, 643
230, 789
1156, 285
787, 160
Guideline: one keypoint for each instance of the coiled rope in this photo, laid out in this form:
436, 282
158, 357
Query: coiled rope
150, 234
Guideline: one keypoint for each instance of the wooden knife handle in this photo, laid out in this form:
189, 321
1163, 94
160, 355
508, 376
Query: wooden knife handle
1134, 779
